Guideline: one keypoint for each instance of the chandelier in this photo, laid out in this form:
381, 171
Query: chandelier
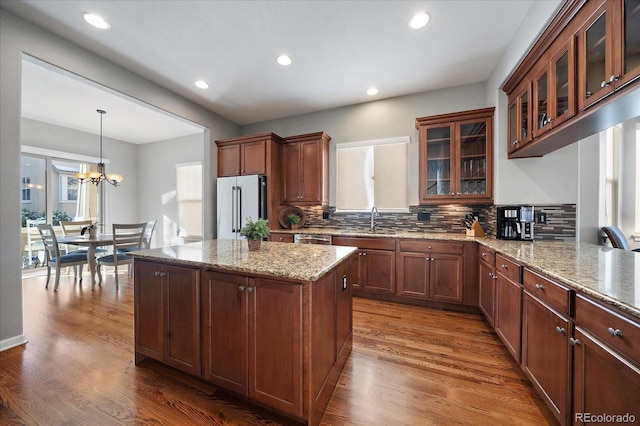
100, 175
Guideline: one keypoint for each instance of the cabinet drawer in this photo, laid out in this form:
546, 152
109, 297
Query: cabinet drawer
508, 268
366, 243
430, 246
558, 296
487, 255
282, 238
616, 331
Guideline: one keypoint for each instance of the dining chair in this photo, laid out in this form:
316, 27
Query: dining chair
125, 237
146, 238
55, 259
617, 238
34, 241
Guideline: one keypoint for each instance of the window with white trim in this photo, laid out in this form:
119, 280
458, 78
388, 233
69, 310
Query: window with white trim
373, 173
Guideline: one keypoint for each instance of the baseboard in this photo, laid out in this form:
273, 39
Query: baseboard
12, 342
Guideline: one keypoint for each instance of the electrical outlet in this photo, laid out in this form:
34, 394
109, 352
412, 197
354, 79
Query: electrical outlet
325, 215
542, 218
424, 216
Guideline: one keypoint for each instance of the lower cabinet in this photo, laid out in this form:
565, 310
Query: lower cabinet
167, 315
508, 308
604, 383
252, 338
546, 358
376, 264
487, 283
434, 276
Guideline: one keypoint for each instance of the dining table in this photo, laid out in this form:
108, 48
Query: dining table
92, 242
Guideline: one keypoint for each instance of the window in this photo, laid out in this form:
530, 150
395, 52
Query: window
26, 189
68, 190
373, 173
609, 170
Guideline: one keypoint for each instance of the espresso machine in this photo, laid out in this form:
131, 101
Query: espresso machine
515, 223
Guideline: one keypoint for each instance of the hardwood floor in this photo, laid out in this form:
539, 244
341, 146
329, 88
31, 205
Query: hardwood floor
409, 366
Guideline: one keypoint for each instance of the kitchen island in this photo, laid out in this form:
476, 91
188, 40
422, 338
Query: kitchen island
271, 325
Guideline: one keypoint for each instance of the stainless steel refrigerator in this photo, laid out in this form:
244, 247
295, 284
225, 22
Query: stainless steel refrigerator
240, 197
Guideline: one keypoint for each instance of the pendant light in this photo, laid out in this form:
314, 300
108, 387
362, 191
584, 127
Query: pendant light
100, 175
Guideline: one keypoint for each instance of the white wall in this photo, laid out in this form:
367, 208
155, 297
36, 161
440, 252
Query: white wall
588, 218
377, 120
18, 37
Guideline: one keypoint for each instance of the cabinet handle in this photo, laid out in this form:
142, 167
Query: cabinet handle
550, 120
364, 254
539, 287
433, 259
614, 333
574, 342
237, 172
250, 289
429, 247
561, 330
156, 273
241, 287
458, 193
503, 266
605, 83
514, 143
484, 254
160, 274
614, 77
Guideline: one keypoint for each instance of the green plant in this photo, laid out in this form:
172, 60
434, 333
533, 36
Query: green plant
28, 214
60, 215
255, 230
293, 219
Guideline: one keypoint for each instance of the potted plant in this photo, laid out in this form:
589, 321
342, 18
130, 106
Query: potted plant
294, 221
255, 232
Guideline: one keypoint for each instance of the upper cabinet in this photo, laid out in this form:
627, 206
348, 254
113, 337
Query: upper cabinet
305, 169
456, 157
577, 73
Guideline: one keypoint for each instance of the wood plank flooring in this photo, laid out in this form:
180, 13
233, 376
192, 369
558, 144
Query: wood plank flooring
409, 366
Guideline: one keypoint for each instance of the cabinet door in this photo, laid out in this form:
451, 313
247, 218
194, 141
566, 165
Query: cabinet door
413, 276
310, 178
630, 42
183, 318
436, 156
344, 309
520, 119
545, 355
224, 330
562, 90
473, 178
541, 110
445, 283
508, 314
603, 381
229, 160
487, 291
378, 271
275, 345
149, 310
595, 57
254, 158
291, 172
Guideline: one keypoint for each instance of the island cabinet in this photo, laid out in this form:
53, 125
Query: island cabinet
167, 315
487, 282
606, 356
508, 304
456, 157
280, 238
431, 270
546, 329
375, 265
305, 164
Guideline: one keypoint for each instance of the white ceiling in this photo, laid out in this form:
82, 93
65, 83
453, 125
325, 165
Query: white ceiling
339, 49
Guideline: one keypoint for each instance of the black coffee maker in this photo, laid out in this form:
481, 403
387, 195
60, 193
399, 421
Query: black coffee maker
515, 223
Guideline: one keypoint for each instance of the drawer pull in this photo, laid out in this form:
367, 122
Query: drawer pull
484, 254
574, 342
614, 333
561, 330
241, 287
250, 289
504, 266
539, 287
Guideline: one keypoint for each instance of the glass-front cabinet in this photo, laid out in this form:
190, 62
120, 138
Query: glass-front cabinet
456, 160
609, 54
520, 118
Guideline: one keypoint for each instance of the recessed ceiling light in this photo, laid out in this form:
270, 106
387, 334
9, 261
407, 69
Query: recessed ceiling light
419, 20
372, 91
202, 84
284, 60
96, 20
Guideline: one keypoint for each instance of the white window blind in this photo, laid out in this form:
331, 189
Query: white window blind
373, 173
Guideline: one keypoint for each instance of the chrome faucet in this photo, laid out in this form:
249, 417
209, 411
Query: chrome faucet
374, 214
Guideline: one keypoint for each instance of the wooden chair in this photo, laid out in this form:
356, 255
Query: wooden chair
148, 233
34, 241
53, 257
617, 238
125, 237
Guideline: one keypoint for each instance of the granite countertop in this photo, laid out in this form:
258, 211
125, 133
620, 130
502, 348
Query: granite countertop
610, 275
304, 262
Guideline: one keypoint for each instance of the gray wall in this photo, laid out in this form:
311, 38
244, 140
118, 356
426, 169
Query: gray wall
18, 36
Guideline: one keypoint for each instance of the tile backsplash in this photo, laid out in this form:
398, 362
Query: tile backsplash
561, 219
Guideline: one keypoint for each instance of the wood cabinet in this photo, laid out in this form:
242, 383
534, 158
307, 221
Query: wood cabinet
305, 162
167, 315
376, 263
546, 330
252, 338
487, 283
239, 159
519, 118
281, 238
609, 55
508, 304
456, 159
431, 270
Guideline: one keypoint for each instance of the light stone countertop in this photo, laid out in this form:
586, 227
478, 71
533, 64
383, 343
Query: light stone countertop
302, 262
610, 275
